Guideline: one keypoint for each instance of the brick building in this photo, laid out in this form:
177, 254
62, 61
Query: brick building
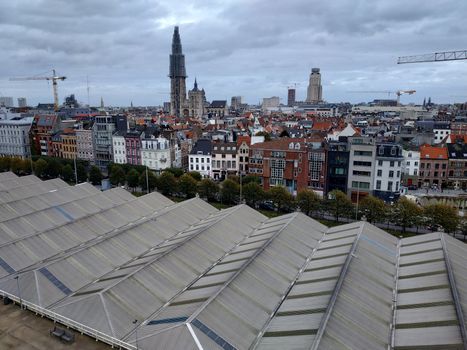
282, 162
433, 166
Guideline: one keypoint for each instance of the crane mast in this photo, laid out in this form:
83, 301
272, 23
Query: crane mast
54, 79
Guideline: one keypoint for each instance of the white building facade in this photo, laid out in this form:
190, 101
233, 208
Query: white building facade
361, 167
14, 138
200, 158
119, 149
155, 153
411, 163
388, 171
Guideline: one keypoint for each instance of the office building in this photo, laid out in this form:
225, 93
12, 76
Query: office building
315, 90
291, 97
6, 101
14, 137
361, 167
22, 102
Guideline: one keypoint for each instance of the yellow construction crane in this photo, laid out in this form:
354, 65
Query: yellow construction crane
398, 93
54, 79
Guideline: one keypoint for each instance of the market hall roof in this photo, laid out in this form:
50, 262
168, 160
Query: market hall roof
195, 277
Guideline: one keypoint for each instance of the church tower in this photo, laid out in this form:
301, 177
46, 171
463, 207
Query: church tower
177, 76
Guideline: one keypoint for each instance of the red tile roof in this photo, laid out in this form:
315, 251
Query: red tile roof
241, 139
282, 144
432, 152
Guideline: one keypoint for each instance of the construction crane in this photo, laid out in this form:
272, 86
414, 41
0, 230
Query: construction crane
434, 57
398, 93
54, 79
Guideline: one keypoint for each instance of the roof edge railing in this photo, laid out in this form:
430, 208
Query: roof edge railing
83, 329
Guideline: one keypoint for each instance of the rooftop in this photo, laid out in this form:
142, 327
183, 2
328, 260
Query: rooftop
196, 277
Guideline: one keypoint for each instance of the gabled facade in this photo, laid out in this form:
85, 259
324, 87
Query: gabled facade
433, 166
155, 153
200, 157
224, 160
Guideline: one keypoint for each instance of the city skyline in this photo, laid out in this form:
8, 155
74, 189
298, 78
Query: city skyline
124, 49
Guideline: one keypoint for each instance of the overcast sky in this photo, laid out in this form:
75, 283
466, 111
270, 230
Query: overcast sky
250, 48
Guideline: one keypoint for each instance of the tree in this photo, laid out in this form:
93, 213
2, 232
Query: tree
339, 204
117, 175
53, 168
81, 172
67, 173
16, 165
40, 167
281, 198
373, 208
187, 185
177, 172
308, 201
250, 178
167, 183
151, 180
195, 175
406, 213
5, 164
208, 189
253, 193
229, 191
95, 175
442, 215
132, 178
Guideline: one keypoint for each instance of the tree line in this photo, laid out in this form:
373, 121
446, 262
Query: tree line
175, 182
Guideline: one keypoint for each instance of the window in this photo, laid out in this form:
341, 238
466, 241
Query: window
378, 184
391, 173
361, 163
415, 164
437, 166
398, 173
339, 171
363, 153
361, 173
390, 186
380, 162
393, 151
380, 172
391, 163
363, 185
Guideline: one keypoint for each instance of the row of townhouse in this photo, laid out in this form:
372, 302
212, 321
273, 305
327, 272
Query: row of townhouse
102, 140
357, 166
438, 166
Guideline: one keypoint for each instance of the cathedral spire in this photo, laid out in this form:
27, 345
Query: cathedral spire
177, 74
195, 88
176, 42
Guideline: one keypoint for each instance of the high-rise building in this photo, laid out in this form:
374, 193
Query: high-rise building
315, 90
290, 97
6, 101
22, 102
177, 74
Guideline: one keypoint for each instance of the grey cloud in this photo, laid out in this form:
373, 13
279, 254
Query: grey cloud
254, 48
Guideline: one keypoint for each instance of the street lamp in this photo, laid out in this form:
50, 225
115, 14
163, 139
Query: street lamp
19, 292
136, 333
358, 197
147, 180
